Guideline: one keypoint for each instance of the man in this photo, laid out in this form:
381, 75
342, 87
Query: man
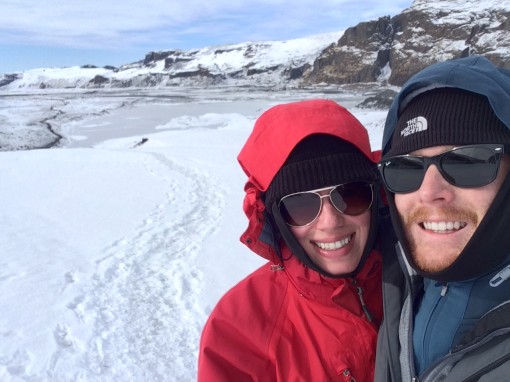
445, 166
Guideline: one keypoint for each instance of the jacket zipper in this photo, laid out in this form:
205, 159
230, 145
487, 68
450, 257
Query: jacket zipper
432, 317
347, 376
359, 290
487, 368
453, 358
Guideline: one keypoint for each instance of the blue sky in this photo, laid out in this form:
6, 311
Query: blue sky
57, 33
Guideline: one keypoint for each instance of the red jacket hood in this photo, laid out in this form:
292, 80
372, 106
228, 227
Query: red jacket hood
274, 136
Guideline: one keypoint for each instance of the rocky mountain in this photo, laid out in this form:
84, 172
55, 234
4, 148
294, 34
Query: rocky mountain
386, 51
393, 49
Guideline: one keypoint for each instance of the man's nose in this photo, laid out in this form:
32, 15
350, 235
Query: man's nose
434, 187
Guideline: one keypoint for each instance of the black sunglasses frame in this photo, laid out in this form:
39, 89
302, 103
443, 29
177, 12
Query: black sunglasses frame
497, 149
328, 195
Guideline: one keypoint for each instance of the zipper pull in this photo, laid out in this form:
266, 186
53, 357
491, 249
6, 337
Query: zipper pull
500, 277
362, 301
347, 376
444, 290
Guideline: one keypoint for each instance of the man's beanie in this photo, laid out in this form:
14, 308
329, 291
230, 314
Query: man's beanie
446, 116
318, 161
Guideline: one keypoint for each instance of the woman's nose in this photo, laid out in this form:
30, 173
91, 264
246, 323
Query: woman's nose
329, 216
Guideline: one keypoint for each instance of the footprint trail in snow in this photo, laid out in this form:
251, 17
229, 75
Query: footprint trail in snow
146, 286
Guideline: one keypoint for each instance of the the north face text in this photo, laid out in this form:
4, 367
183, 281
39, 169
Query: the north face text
414, 125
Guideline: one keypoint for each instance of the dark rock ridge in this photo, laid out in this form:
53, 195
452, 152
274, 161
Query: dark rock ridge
426, 33
8, 78
359, 55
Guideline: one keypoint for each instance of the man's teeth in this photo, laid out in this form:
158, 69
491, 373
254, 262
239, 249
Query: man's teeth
335, 245
443, 226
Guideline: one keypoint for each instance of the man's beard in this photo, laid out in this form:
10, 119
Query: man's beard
423, 254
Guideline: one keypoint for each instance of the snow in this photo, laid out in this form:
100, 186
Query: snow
115, 251
467, 6
462, 12
229, 59
302, 50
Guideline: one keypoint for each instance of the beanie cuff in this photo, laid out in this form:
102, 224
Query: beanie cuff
326, 171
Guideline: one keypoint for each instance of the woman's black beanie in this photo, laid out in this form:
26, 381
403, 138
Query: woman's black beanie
318, 161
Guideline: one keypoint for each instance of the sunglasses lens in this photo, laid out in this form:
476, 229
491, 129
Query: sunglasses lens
470, 166
352, 198
300, 209
403, 174
303, 208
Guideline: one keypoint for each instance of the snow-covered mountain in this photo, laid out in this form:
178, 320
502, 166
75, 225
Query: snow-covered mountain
387, 50
250, 64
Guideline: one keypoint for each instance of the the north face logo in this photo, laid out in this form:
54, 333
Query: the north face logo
414, 125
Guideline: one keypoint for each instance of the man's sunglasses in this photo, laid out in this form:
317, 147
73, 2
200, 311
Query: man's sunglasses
465, 166
303, 208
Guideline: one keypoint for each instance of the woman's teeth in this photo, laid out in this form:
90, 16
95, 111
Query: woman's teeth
336, 245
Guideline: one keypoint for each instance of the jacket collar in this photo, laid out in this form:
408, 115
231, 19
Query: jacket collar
332, 291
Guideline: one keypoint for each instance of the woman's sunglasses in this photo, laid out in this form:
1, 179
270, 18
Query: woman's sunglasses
302, 208
465, 166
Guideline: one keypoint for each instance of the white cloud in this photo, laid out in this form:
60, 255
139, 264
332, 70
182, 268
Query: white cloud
191, 23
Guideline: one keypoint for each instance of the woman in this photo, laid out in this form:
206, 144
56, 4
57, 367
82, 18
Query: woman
313, 312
